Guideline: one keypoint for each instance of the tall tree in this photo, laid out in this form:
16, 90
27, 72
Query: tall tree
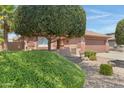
1, 37
6, 18
50, 21
119, 33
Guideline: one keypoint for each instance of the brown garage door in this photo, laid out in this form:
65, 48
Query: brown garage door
95, 45
95, 42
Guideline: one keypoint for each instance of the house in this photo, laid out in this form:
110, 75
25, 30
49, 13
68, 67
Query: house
90, 41
96, 41
111, 41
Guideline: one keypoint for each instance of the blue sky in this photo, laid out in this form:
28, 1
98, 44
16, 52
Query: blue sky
103, 19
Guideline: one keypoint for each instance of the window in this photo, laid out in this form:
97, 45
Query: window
42, 42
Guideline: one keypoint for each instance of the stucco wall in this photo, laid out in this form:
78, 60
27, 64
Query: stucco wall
73, 46
87, 43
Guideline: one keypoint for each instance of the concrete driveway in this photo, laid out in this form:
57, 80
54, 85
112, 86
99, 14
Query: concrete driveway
114, 55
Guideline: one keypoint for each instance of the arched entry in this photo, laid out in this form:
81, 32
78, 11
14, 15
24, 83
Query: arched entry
42, 42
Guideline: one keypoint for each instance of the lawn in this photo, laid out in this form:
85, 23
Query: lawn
38, 69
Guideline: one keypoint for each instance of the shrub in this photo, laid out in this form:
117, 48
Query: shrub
93, 58
106, 69
90, 54
38, 69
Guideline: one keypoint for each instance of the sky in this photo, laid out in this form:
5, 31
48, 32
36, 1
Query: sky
103, 19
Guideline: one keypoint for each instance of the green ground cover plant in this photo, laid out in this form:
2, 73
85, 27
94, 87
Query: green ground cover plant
38, 69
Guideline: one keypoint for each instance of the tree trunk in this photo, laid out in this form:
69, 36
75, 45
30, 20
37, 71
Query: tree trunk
58, 43
2, 45
49, 44
5, 35
37, 42
23, 41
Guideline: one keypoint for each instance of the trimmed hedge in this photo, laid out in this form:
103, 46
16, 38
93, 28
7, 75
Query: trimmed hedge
106, 69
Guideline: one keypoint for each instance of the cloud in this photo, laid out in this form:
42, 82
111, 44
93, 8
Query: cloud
102, 21
97, 17
98, 14
104, 29
98, 11
114, 19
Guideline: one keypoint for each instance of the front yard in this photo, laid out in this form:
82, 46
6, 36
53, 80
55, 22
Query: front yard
94, 79
38, 69
49, 69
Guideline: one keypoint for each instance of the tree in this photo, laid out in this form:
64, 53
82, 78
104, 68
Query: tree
119, 33
1, 38
50, 21
6, 18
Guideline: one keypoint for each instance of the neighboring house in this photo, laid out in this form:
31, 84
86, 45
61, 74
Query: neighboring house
90, 41
112, 41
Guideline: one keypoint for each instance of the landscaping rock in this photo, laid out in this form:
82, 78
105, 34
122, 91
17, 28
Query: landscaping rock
86, 59
96, 80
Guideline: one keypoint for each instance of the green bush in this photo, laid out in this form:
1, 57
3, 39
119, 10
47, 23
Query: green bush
38, 69
90, 54
106, 69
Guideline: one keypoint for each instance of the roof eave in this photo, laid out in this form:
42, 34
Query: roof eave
97, 36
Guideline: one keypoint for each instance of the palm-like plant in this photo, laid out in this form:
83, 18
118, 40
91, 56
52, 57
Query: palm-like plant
6, 21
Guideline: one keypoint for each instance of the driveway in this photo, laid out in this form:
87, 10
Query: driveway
114, 55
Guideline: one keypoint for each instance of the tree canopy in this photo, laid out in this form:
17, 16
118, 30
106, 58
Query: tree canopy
6, 14
49, 21
119, 33
6, 21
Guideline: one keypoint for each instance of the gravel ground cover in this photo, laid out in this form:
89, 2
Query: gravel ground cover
94, 79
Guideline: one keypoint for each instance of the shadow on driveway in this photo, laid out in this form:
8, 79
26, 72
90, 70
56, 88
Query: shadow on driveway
118, 63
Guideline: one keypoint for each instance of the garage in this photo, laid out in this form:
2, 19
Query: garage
96, 42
